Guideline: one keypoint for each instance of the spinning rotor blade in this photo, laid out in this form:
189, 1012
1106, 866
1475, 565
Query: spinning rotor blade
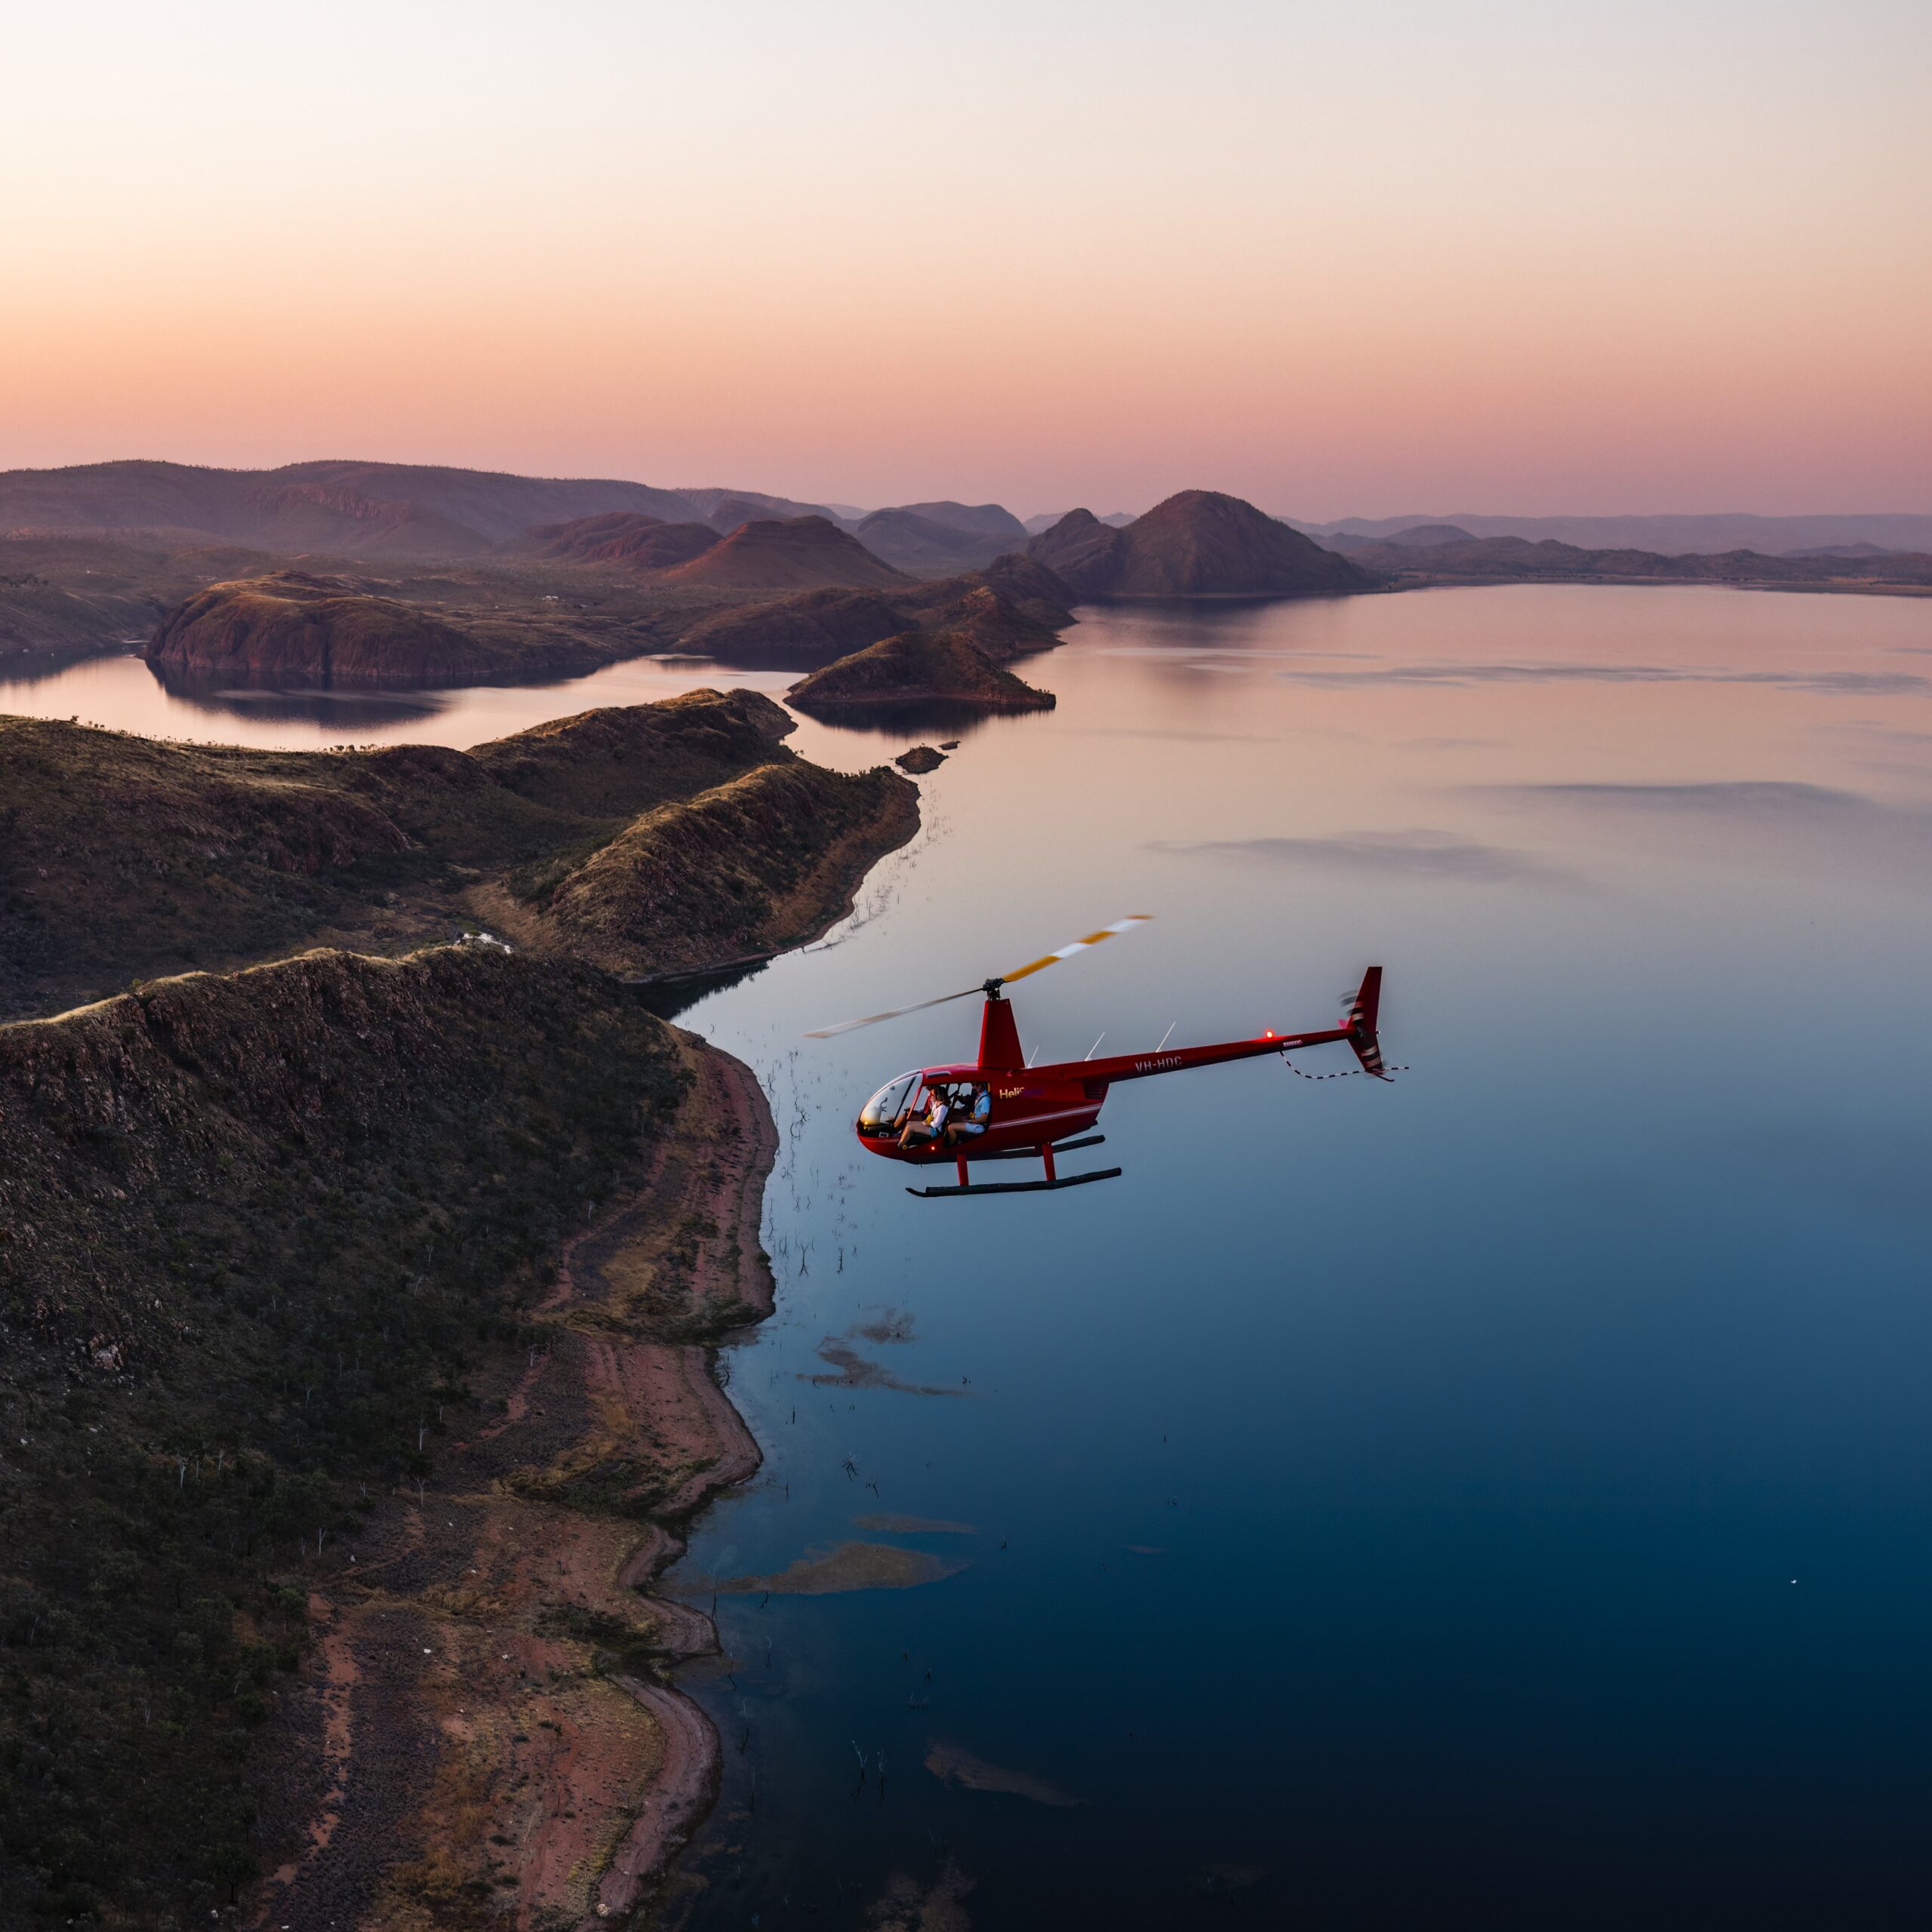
991, 986
1125, 925
873, 1019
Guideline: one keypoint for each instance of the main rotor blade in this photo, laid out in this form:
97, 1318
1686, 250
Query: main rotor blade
1125, 925
873, 1019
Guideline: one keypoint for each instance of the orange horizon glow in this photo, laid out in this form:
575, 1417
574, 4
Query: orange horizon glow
1459, 257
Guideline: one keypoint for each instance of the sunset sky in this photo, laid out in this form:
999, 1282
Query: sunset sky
1480, 255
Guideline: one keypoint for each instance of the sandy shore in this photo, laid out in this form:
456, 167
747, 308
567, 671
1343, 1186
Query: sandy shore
482, 1731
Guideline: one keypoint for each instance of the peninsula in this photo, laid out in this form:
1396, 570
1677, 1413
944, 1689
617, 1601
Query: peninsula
358, 1302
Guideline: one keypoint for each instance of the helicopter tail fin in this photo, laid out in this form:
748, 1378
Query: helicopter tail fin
1362, 1011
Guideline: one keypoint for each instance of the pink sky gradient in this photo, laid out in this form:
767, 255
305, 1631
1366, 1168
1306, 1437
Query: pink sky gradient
1485, 257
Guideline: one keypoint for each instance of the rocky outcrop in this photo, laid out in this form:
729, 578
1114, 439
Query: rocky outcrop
1196, 544
290, 628
917, 668
792, 553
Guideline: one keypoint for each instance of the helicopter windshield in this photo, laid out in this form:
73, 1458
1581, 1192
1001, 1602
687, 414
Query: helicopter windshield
886, 1109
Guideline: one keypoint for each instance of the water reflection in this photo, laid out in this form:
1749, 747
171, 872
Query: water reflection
332, 711
1382, 1507
124, 692
1497, 1499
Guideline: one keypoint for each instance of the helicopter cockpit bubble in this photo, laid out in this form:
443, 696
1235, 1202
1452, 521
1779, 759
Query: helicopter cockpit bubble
885, 1111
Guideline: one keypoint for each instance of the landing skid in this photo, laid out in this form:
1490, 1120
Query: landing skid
1016, 1186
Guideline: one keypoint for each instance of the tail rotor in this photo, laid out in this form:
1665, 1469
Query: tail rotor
1363, 1009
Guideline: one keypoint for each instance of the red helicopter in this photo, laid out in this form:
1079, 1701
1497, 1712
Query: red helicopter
1000, 1108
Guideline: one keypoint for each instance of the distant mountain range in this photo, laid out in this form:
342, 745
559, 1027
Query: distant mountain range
1672, 536
343, 509
1195, 544
373, 510
1440, 553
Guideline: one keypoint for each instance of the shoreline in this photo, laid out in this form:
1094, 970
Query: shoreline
494, 1622
570, 1502
686, 1783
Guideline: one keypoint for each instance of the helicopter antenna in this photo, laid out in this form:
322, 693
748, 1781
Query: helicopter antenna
991, 987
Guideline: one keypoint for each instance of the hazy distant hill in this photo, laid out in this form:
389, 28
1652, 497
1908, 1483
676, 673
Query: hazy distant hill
1115, 519
1199, 542
979, 519
918, 544
1080, 550
1673, 536
623, 537
725, 510
1427, 536
1845, 550
795, 553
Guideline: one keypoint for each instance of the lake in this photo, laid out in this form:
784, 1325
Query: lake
1498, 1498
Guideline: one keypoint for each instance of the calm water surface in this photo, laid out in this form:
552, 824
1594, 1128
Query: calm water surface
1499, 1499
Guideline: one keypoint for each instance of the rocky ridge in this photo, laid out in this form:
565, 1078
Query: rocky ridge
916, 670
124, 857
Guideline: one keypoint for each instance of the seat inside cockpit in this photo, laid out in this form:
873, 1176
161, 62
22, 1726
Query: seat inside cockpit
907, 1099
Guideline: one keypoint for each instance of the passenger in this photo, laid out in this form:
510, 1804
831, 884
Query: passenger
975, 1121
931, 1126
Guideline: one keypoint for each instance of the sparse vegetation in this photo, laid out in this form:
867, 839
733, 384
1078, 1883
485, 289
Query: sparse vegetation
121, 857
252, 1229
